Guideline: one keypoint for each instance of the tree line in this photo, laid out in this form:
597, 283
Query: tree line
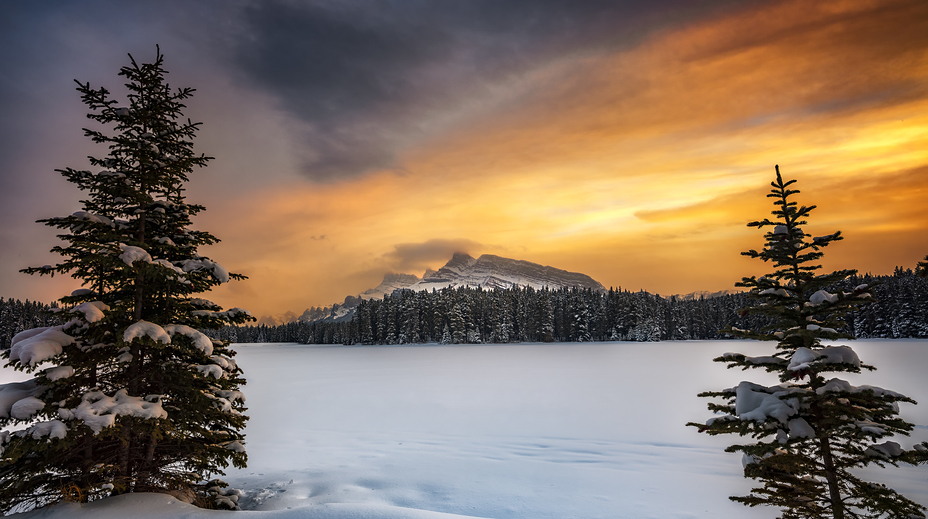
473, 315
16, 316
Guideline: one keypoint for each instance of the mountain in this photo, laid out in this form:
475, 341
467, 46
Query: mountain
490, 272
487, 271
390, 283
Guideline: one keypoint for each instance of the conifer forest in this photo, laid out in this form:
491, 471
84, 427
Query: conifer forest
468, 315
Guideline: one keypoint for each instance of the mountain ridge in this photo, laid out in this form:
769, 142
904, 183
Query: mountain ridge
488, 271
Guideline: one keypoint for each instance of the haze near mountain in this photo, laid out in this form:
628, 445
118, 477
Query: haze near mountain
487, 272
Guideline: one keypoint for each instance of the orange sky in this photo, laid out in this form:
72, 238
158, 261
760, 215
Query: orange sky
638, 166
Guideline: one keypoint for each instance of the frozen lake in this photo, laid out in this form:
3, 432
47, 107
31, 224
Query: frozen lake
537, 431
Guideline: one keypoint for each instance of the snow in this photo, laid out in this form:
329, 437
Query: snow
218, 271
38, 345
209, 370
26, 408
167, 264
839, 355
14, 392
799, 428
837, 385
235, 446
146, 329
95, 218
228, 314
92, 310
223, 362
200, 341
59, 372
884, 450
204, 303
764, 359
801, 359
805, 358
758, 403
775, 291
99, 411
131, 254
821, 296
51, 428
540, 431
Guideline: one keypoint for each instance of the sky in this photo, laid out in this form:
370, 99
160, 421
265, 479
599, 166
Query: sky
628, 140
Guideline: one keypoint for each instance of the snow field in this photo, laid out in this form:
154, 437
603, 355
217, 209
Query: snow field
565, 430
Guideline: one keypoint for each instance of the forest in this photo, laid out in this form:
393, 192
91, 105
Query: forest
473, 315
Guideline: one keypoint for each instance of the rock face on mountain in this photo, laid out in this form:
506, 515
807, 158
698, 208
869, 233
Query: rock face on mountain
489, 272
390, 283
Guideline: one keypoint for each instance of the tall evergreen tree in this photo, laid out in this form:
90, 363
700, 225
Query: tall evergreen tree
812, 431
127, 395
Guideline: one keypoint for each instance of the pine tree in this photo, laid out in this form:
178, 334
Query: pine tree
458, 325
127, 395
811, 430
922, 269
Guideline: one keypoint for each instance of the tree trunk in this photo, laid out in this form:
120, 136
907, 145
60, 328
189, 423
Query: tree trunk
837, 504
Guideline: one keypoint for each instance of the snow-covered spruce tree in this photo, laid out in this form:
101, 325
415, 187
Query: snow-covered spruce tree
127, 395
811, 430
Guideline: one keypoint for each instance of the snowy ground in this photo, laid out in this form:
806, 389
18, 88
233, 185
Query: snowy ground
539, 431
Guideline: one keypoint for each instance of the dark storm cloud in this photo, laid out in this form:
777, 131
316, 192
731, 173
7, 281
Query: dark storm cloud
366, 78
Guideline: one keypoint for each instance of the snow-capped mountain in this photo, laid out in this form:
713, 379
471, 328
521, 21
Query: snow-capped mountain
490, 272
487, 271
390, 283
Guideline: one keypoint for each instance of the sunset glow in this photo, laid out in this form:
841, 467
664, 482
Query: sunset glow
636, 163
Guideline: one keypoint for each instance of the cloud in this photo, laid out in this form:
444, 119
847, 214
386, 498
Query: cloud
730, 209
406, 257
366, 80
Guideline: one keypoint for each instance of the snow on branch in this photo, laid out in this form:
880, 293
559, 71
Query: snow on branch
95, 218
758, 403
92, 310
805, 358
131, 254
218, 271
51, 428
14, 392
200, 341
885, 450
837, 385
99, 411
38, 345
146, 329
